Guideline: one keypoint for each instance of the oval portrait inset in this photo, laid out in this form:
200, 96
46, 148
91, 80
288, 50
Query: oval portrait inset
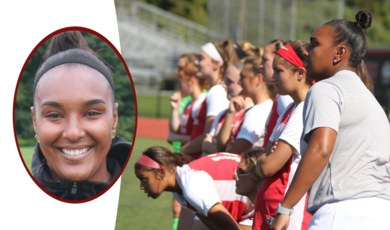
75, 114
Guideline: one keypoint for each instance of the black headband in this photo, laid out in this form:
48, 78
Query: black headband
74, 56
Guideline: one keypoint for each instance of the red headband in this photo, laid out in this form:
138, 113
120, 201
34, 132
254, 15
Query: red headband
288, 53
149, 162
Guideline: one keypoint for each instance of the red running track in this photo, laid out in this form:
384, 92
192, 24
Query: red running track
153, 127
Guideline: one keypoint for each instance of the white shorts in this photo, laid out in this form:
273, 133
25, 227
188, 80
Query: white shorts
356, 214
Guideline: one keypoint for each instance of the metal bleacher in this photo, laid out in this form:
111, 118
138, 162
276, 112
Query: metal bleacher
152, 39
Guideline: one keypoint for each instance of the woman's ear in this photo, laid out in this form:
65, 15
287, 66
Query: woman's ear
115, 115
258, 78
33, 119
161, 174
301, 73
341, 53
216, 64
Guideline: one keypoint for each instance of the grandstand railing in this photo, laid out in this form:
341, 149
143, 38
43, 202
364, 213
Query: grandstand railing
184, 29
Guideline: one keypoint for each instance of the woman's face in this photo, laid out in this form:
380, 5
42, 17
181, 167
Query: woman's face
74, 116
151, 183
245, 184
285, 80
205, 64
185, 87
232, 77
266, 63
247, 82
320, 53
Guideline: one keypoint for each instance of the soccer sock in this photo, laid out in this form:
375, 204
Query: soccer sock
175, 223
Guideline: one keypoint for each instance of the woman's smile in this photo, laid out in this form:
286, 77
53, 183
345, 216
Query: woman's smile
75, 153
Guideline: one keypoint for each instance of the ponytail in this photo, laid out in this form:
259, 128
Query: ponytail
362, 72
70, 48
189, 71
66, 41
164, 157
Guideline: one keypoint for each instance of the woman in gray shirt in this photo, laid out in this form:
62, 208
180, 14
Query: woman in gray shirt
346, 137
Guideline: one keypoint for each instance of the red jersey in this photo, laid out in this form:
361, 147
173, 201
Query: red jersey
280, 104
186, 120
273, 117
209, 180
236, 126
272, 190
221, 120
198, 126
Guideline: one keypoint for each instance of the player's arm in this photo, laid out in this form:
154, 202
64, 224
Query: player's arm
218, 218
178, 137
240, 146
208, 146
236, 104
270, 163
315, 159
174, 122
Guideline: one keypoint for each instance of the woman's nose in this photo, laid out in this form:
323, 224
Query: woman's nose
74, 129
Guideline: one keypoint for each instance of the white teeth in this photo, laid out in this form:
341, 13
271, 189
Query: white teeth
74, 152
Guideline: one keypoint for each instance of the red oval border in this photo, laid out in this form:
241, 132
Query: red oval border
135, 103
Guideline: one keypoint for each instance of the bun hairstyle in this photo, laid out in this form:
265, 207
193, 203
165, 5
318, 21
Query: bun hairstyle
189, 71
351, 33
299, 46
251, 157
252, 64
245, 49
191, 57
70, 48
164, 157
279, 43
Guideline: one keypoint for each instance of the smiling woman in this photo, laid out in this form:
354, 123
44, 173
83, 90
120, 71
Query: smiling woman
78, 155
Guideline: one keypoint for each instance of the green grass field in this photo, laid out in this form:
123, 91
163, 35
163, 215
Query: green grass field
147, 106
135, 209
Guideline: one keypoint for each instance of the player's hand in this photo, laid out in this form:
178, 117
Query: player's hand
171, 138
208, 138
281, 222
175, 100
274, 147
236, 104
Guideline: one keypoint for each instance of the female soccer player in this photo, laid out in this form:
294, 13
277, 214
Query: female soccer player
249, 130
180, 127
278, 167
345, 140
233, 89
210, 63
204, 186
248, 180
74, 116
280, 101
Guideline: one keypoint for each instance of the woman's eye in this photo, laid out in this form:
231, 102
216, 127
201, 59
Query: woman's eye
92, 114
53, 115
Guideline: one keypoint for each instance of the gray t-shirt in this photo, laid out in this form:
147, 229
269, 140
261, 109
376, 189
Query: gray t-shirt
359, 164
